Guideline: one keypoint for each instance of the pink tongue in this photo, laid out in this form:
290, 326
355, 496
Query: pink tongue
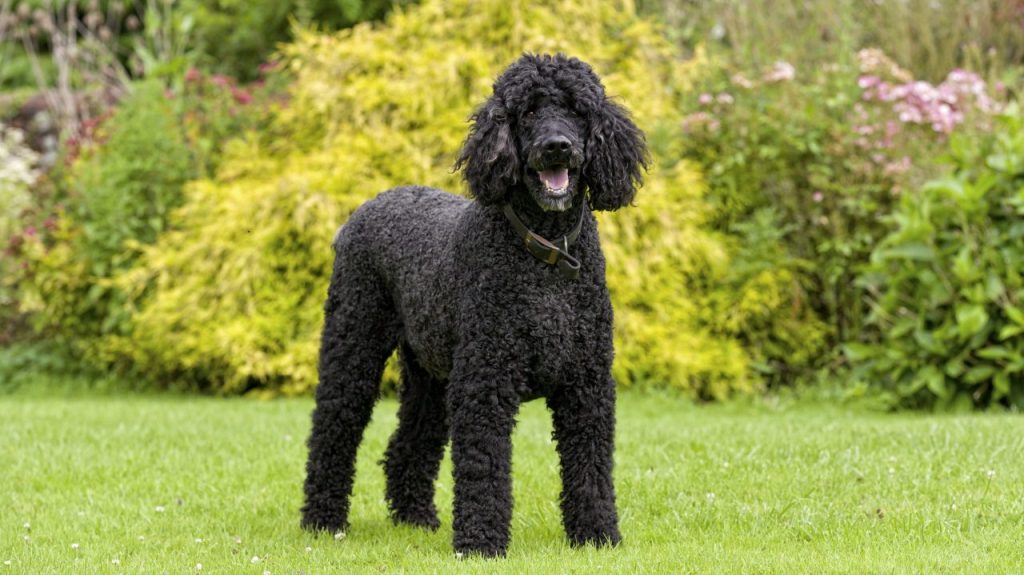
555, 179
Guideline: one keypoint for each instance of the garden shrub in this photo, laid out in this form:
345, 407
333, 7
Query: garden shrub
118, 195
802, 166
928, 37
235, 37
230, 299
948, 283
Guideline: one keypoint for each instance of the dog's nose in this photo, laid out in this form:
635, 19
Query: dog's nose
556, 145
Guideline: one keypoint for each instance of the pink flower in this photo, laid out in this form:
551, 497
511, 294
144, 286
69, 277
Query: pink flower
30, 231
220, 80
697, 120
193, 75
241, 96
705, 99
780, 72
898, 167
817, 197
866, 82
725, 99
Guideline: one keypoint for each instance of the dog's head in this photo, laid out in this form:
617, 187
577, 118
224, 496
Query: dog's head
550, 131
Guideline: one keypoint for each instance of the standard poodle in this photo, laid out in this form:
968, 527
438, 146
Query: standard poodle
491, 302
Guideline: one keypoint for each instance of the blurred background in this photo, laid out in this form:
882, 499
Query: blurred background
834, 208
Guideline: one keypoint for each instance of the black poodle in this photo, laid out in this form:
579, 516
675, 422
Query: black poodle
490, 303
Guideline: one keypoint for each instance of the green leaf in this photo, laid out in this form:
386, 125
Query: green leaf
948, 186
1010, 331
859, 351
1015, 314
979, 373
909, 251
1001, 383
994, 352
934, 380
970, 319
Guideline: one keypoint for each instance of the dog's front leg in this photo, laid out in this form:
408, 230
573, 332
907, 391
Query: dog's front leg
584, 420
483, 403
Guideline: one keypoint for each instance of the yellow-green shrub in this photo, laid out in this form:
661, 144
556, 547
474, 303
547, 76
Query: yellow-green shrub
230, 299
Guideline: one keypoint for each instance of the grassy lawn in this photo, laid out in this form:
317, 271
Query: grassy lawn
156, 484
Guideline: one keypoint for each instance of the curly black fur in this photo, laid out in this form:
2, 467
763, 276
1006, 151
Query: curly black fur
481, 325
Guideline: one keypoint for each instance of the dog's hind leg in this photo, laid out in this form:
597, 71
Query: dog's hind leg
360, 332
417, 446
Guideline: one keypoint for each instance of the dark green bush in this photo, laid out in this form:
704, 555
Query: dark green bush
948, 283
236, 36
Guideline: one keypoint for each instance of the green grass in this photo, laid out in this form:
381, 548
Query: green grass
701, 489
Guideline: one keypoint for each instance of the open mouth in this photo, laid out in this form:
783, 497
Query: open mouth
555, 180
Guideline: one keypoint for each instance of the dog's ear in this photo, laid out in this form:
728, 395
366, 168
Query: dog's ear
489, 161
616, 154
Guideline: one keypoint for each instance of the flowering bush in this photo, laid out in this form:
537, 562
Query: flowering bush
809, 160
123, 175
17, 173
947, 320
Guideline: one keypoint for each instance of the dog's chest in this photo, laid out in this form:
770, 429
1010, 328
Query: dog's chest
550, 323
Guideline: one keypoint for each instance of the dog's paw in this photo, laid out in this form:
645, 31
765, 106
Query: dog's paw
422, 519
479, 548
318, 523
598, 537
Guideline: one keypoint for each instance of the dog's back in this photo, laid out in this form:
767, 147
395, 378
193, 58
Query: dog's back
403, 239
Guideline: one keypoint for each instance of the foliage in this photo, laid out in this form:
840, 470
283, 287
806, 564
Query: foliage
119, 194
947, 282
928, 37
236, 36
230, 299
17, 173
800, 164
47, 366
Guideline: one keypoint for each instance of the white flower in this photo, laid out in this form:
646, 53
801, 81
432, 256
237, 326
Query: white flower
27, 539
115, 561
198, 540
74, 546
308, 549
266, 573
7, 563
142, 538
27, 526
458, 554
255, 559
199, 566
159, 508
990, 473
339, 535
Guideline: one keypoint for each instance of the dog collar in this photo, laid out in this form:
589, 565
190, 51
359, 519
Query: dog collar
552, 253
